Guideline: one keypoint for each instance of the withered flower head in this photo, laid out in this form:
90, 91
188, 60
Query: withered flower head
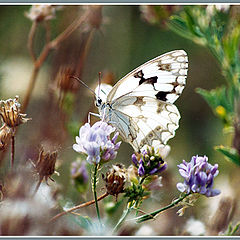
5, 135
10, 112
157, 14
45, 165
64, 81
41, 12
115, 180
95, 16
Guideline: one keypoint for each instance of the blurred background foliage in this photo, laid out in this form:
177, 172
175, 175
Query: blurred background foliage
126, 37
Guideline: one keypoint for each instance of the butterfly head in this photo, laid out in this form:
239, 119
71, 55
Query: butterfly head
98, 102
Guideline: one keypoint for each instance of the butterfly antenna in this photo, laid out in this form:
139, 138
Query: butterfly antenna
99, 83
83, 83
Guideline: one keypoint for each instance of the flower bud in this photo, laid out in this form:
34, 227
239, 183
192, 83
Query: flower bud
115, 180
45, 165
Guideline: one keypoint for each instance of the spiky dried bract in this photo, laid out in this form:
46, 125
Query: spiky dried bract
10, 112
115, 180
45, 165
5, 135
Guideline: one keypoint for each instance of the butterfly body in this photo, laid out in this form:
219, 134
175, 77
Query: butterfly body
140, 105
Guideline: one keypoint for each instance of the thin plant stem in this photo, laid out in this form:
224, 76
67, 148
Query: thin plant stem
78, 207
127, 211
13, 150
95, 192
31, 85
85, 52
48, 31
45, 52
30, 40
68, 31
153, 214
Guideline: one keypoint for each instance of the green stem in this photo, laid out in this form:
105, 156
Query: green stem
95, 192
127, 211
123, 217
148, 216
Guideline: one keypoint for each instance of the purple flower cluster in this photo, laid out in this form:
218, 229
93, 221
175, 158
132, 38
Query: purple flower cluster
96, 143
149, 162
198, 176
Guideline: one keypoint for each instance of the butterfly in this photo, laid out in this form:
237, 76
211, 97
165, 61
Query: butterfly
140, 105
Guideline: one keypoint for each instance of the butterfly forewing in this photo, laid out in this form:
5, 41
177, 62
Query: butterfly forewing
163, 77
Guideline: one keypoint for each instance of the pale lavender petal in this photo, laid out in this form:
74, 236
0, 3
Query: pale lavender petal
181, 187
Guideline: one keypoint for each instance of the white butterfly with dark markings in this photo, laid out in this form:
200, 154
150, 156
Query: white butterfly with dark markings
140, 105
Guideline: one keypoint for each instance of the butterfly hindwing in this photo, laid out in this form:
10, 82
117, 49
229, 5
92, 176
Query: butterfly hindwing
146, 120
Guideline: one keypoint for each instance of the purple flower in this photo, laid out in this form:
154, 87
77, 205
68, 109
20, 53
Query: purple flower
96, 143
148, 162
78, 170
79, 175
198, 176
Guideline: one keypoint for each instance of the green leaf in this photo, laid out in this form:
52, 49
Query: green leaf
229, 153
221, 101
232, 230
84, 222
179, 26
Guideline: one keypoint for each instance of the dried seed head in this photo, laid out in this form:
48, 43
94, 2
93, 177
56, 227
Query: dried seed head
95, 16
157, 14
115, 179
63, 80
5, 135
41, 12
10, 112
45, 165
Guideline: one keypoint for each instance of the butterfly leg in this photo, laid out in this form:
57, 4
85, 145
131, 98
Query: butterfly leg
112, 122
93, 114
